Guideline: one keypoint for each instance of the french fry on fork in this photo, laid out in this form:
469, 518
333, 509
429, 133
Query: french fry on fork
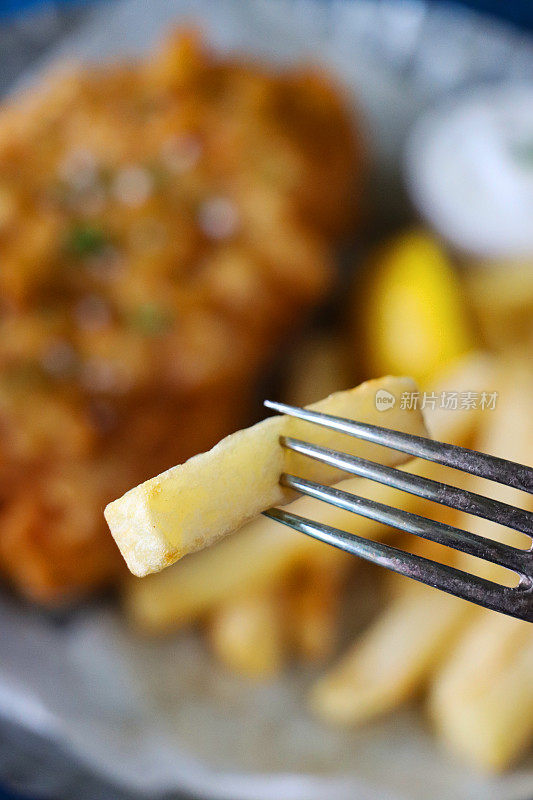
262, 552
258, 555
192, 505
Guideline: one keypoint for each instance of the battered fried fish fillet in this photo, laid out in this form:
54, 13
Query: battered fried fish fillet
162, 224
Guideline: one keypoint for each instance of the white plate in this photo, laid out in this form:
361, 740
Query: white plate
158, 715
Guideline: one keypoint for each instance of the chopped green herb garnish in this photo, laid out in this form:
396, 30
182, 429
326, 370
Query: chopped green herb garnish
85, 240
151, 319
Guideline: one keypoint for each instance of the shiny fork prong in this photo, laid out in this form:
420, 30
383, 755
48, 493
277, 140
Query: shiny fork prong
516, 601
511, 558
451, 496
485, 466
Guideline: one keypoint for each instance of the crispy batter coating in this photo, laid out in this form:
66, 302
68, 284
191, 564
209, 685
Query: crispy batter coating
162, 224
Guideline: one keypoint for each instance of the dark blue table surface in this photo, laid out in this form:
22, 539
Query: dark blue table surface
519, 12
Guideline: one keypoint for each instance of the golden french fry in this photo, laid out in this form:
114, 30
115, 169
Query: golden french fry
451, 420
316, 369
380, 673
506, 432
255, 557
482, 699
192, 505
313, 603
247, 635
395, 655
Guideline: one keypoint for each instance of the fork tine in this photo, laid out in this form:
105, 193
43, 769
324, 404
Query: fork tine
513, 601
443, 493
506, 556
485, 466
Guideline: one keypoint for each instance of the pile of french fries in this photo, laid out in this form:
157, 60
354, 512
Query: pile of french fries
266, 595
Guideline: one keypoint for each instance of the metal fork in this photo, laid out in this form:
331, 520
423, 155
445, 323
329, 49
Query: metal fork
515, 601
